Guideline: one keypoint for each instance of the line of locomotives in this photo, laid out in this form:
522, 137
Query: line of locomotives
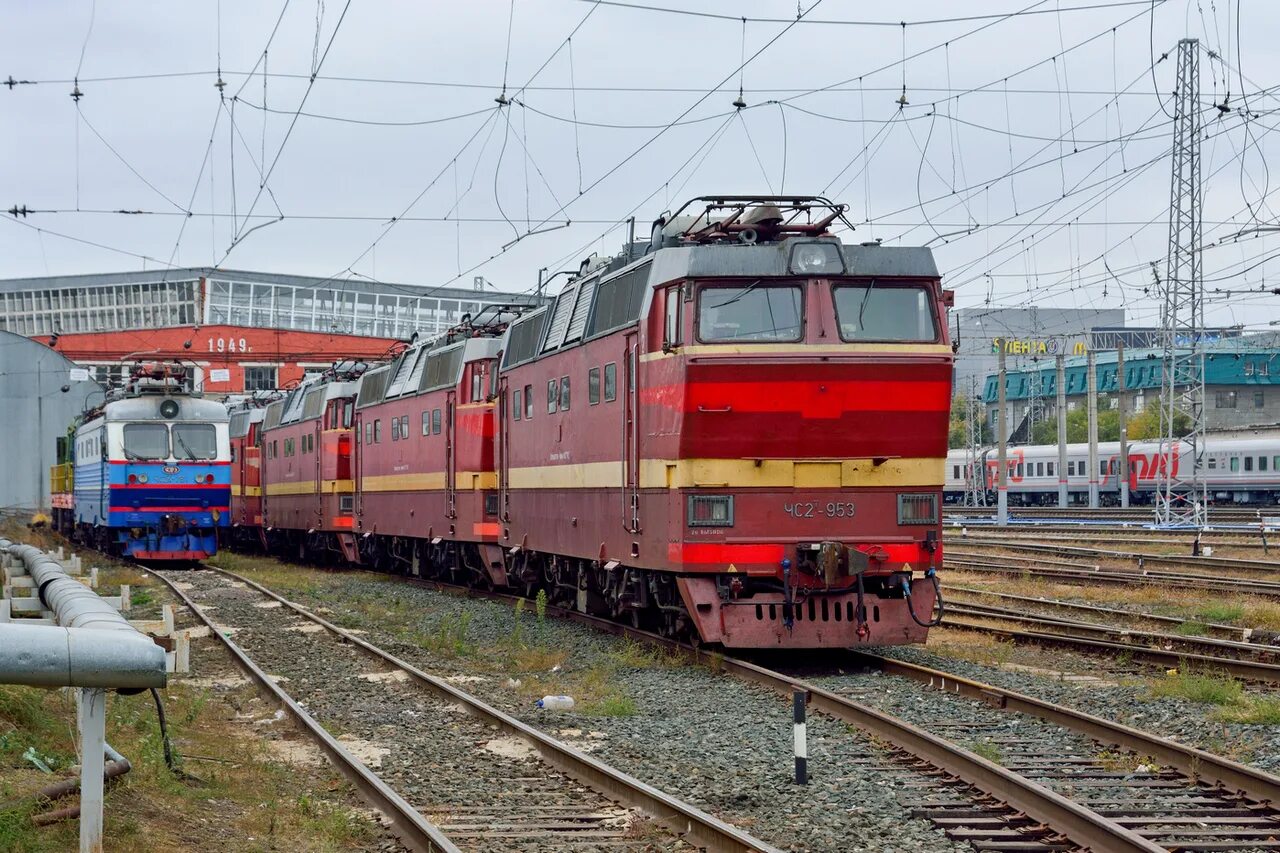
147, 473
734, 432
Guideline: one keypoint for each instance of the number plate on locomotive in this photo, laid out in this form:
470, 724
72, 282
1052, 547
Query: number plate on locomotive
819, 509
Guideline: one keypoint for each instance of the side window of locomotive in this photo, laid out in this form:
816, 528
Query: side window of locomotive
404, 426
749, 312
593, 386
553, 395
671, 332
377, 431
368, 432
346, 415
435, 421
517, 404
867, 312
146, 441
610, 382
564, 393
477, 384
426, 422
195, 441
528, 402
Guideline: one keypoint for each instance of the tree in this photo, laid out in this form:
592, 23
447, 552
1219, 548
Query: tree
1146, 424
958, 433
1046, 432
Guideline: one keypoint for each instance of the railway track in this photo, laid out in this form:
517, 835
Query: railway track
479, 794
1251, 661
1243, 540
1139, 559
1044, 799
1217, 515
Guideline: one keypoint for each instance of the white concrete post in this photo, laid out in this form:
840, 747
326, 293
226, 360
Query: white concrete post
1002, 450
93, 577
167, 613
1094, 473
183, 650
93, 735
125, 598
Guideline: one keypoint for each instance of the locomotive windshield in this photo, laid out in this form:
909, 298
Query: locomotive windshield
749, 312
868, 312
195, 441
146, 441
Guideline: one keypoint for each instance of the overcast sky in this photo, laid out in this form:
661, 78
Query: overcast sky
1085, 135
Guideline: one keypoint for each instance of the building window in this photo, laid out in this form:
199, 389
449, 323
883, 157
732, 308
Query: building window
435, 421
528, 402
610, 382
553, 395
1264, 367
1248, 368
1139, 402
426, 422
593, 386
564, 393
1225, 399
517, 404
1257, 399
259, 378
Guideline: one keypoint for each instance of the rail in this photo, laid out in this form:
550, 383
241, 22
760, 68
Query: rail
701, 828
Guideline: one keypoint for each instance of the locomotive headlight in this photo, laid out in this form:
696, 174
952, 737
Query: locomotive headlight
816, 259
169, 409
142, 478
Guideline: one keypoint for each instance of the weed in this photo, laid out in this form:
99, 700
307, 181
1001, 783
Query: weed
139, 597
1252, 710
540, 606
1220, 612
1122, 762
450, 638
1191, 628
715, 662
987, 750
613, 705
1195, 687
643, 656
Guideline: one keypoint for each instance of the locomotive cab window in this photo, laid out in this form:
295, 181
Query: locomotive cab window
750, 312
671, 332
517, 404
528, 402
553, 395
564, 393
871, 312
146, 441
426, 422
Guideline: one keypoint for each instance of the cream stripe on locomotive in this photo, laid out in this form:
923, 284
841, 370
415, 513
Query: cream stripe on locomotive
737, 473
807, 349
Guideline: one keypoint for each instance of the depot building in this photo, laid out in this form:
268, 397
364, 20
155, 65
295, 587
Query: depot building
241, 331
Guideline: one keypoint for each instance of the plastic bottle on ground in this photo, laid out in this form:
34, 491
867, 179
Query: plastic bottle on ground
556, 703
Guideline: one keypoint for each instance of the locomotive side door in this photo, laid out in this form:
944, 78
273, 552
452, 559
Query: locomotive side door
630, 435
357, 468
450, 457
503, 438
317, 449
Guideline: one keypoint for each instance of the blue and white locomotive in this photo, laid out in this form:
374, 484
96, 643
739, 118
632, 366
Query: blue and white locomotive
150, 470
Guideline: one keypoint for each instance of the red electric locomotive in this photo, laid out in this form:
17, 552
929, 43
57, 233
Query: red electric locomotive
735, 432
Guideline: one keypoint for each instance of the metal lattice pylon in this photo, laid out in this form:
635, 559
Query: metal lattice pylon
975, 481
1181, 497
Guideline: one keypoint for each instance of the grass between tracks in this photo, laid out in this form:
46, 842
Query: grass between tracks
240, 796
526, 657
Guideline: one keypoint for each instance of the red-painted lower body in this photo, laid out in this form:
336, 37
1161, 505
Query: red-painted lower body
819, 621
